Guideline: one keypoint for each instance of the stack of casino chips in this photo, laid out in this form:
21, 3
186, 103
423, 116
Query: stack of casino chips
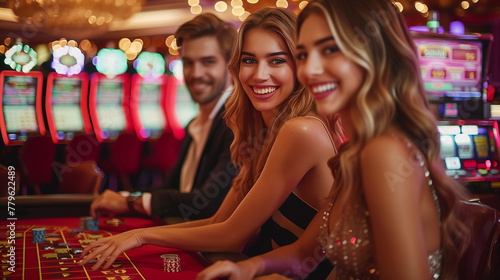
38, 235
171, 263
89, 224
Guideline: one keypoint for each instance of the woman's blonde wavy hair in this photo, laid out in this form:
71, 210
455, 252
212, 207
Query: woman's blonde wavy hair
373, 34
252, 139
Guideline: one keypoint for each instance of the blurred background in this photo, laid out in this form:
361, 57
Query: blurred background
97, 86
105, 22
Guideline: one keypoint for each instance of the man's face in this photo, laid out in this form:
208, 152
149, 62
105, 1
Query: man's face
205, 69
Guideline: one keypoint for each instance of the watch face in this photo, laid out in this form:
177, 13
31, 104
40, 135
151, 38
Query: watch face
135, 194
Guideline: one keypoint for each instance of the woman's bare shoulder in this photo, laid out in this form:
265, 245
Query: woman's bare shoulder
305, 130
305, 124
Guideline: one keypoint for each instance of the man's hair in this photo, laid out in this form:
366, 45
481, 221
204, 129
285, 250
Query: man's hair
208, 24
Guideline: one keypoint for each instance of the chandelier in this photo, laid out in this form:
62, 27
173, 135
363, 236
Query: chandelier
73, 18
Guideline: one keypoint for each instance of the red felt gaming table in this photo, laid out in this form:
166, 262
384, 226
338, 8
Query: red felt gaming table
53, 259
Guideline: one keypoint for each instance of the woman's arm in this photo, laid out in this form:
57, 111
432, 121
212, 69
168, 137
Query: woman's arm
299, 146
392, 181
227, 207
113, 246
295, 260
190, 224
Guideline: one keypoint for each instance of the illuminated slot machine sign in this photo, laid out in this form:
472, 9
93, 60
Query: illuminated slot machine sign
148, 100
66, 106
21, 112
470, 150
109, 106
453, 71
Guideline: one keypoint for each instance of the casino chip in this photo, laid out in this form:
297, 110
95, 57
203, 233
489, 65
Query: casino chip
89, 224
171, 263
38, 235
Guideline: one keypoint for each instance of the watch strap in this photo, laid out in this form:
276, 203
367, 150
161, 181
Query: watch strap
130, 202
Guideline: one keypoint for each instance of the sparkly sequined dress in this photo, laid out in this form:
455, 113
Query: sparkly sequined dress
348, 244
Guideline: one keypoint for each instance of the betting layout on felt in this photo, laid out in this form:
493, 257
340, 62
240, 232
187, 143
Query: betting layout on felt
57, 256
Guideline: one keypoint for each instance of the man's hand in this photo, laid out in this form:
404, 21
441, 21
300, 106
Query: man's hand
109, 203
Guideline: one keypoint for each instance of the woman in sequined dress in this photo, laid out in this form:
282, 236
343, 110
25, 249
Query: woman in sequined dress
392, 212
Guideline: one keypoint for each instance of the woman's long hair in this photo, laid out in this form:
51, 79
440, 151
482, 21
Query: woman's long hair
252, 139
374, 35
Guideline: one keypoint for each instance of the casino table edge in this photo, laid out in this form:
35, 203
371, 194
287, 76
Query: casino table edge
49, 206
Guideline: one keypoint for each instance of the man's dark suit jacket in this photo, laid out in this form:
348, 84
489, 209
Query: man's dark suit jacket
212, 179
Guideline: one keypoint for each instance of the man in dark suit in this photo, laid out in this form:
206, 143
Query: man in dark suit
202, 175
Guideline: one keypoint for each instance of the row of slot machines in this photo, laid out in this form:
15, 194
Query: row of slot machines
454, 70
79, 104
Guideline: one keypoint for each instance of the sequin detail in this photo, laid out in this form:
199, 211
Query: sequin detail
348, 243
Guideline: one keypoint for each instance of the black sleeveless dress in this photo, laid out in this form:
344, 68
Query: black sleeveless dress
284, 228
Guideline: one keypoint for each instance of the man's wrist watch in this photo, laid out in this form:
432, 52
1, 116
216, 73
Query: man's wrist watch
131, 198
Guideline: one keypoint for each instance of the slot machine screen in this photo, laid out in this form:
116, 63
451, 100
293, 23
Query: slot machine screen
453, 71
109, 105
66, 95
150, 111
148, 105
19, 97
468, 148
66, 106
20, 117
451, 68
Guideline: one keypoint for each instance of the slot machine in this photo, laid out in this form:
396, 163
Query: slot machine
109, 106
67, 96
22, 122
66, 106
21, 115
109, 96
470, 150
150, 96
154, 115
454, 71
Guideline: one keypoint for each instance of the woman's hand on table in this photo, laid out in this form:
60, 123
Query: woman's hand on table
109, 248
